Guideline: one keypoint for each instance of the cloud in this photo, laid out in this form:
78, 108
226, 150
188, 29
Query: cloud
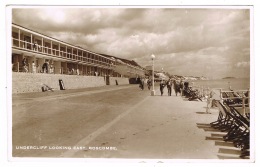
242, 64
187, 41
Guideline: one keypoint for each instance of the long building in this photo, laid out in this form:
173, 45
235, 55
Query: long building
65, 58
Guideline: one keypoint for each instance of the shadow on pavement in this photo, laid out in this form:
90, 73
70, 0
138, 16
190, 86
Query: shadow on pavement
227, 150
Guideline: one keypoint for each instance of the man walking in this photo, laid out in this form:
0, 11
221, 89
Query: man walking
162, 85
169, 87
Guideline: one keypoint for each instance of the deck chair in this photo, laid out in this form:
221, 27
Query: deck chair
46, 88
194, 95
224, 122
239, 136
244, 124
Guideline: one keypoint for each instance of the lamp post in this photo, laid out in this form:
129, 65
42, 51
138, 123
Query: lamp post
153, 91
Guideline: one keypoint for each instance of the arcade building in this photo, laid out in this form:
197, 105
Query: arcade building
65, 58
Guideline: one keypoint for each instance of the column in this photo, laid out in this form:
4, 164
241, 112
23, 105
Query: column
77, 56
19, 37
59, 50
31, 42
66, 50
57, 67
51, 47
71, 53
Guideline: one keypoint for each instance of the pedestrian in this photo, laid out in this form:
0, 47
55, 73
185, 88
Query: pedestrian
141, 84
51, 69
33, 67
209, 101
35, 45
149, 83
145, 80
45, 67
24, 63
181, 87
176, 85
162, 85
169, 87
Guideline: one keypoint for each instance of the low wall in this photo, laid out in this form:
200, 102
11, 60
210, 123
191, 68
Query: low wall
29, 82
120, 81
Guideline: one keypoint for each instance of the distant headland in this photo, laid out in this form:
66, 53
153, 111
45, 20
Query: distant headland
228, 78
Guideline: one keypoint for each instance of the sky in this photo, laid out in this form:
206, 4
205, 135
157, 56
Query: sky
210, 42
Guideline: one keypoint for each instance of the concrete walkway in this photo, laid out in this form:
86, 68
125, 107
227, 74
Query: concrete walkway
158, 127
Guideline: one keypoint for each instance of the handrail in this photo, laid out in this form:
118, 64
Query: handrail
52, 51
238, 97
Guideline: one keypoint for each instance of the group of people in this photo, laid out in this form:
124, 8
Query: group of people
142, 81
177, 85
167, 84
170, 84
72, 71
25, 66
46, 68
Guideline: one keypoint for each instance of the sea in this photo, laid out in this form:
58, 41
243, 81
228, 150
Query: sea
234, 83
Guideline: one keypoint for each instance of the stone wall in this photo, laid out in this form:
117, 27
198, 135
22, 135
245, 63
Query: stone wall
29, 82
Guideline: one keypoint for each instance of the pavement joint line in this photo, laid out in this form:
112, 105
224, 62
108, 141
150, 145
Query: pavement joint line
85, 141
64, 96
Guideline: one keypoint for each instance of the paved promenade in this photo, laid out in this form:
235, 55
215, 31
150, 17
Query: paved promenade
162, 127
156, 127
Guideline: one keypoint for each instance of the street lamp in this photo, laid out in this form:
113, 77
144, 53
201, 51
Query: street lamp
153, 91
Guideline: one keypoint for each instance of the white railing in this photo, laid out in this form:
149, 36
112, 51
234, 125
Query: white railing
51, 51
238, 94
59, 53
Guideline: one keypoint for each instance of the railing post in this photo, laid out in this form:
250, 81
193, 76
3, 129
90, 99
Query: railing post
59, 50
221, 98
51, 48
243, 105
43, 49
31, 43
19, 33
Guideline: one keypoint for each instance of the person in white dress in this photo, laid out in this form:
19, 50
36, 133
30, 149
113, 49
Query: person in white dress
33, 67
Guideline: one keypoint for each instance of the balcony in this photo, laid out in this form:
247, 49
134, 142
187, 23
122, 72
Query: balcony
47, 50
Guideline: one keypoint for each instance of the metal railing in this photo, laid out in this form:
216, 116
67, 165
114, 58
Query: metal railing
243, 95
55, 52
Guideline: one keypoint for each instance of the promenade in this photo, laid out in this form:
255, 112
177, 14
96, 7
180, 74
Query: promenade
161, 127
124, 122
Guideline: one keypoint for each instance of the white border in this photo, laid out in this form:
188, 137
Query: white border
65, 162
